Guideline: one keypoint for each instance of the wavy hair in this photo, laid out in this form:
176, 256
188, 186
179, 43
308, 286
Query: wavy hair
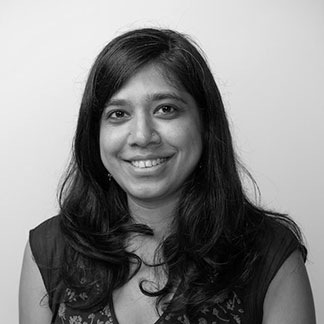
212, 248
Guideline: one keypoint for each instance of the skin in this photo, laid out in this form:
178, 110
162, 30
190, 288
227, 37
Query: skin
149, 118
31, 293
288, 300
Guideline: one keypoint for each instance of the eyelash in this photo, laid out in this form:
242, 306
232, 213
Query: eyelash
110, 115
174, 109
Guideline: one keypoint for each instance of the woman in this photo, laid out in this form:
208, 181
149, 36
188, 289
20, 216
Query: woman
154, 225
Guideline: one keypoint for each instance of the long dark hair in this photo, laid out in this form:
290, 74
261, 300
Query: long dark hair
212, 249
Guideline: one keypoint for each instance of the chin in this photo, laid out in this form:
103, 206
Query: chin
148, 194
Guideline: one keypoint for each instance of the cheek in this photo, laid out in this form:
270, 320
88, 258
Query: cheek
103, 151
194, 143
109, 143
187, 138
193, 135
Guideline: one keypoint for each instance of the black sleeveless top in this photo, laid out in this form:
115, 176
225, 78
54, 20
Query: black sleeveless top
277, 243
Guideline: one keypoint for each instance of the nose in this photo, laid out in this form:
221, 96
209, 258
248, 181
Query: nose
143, 131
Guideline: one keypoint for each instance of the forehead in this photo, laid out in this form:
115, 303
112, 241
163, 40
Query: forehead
149, 80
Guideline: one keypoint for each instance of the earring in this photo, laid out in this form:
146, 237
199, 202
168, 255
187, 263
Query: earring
109, 176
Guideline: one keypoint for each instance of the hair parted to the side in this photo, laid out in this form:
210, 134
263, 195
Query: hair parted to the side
211, 250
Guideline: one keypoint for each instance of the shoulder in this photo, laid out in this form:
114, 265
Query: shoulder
47, 246
46, 238
280, 237
277, 240
47, 241
33, 296
47, 228
286, 294
289, 297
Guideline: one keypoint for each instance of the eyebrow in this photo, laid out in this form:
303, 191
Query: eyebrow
166, 95
151, 97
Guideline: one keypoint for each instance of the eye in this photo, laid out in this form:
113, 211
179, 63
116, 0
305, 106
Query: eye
166, 110
117, 115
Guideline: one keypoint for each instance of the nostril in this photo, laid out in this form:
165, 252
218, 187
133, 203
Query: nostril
143, 137
156, 137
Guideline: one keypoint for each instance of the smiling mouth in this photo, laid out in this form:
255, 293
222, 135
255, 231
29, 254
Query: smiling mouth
145, 164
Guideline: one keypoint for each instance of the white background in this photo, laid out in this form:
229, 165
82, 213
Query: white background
267, 57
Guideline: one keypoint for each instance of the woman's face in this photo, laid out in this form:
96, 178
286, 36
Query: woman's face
150, 136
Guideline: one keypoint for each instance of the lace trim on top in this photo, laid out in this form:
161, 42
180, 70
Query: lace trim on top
230, 310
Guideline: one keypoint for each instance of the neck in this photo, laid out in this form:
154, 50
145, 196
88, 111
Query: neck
158, 215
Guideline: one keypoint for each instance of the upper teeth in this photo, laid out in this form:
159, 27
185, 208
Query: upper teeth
147, 163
